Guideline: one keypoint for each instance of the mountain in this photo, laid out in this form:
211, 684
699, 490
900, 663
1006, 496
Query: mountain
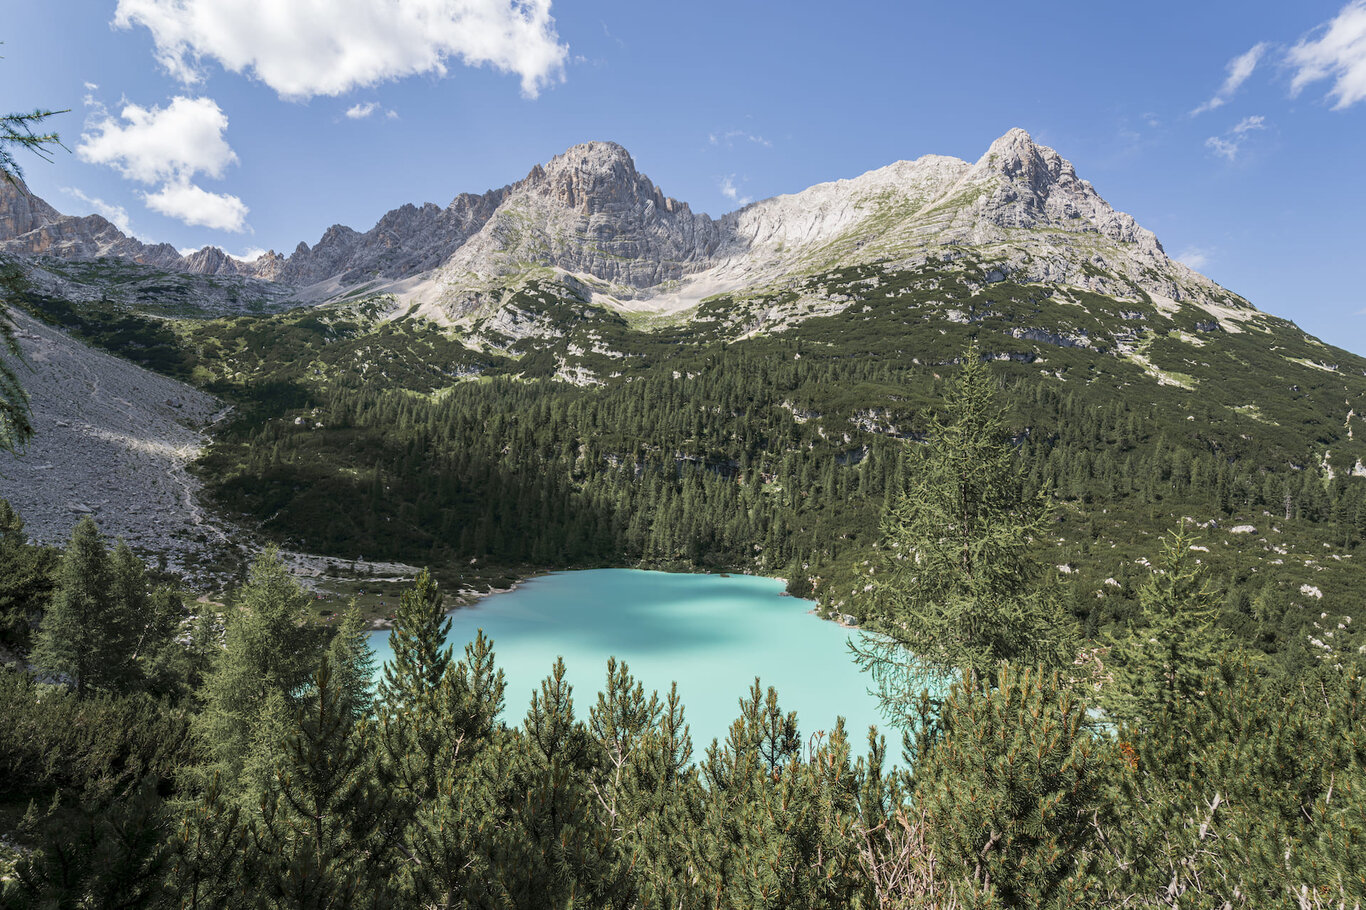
601, 231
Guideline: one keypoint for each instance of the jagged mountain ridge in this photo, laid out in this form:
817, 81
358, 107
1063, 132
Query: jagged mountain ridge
590, 220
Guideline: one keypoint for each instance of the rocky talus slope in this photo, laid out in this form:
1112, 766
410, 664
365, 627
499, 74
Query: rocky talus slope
113, 441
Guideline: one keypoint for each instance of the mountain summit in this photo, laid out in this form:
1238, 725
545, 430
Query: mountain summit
590, 220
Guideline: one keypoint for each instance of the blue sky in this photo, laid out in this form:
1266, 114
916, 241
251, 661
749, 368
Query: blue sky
1234, 130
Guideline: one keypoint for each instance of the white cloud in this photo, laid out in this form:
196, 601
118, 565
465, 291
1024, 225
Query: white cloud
731, 191
729, 137
1239, 69
1338, 53
1231, 143
161, 144
1194, 257
194, 205
391, 115
116, 214
302, 48
169, 146
361, 111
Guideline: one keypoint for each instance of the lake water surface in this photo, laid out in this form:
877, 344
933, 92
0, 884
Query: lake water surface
712, 634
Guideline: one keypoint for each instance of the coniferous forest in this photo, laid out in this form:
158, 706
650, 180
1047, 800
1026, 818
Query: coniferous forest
246, 757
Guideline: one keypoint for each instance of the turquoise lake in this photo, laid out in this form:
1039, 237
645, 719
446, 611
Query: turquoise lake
711, 633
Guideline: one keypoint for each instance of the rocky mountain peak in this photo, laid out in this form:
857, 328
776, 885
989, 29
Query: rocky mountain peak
1018, 158
594, 177
1033, 187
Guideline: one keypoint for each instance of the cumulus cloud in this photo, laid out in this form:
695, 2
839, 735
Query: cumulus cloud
1193, 256
169, 146
1239, 69
159, 144
302, 48
1337, 52
195, 205
1229, 144
361, 111
116, 214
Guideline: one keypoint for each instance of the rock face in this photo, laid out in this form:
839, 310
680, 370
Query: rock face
31, 227
407, 241
588, 212
589, 218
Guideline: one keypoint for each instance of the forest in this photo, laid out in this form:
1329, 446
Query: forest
191, 754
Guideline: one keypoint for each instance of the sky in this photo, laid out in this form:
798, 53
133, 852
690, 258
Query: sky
1234, 130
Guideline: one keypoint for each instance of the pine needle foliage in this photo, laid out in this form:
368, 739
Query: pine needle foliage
1011, 779
418, 642
322, 832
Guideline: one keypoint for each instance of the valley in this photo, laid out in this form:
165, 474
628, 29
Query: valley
588, 412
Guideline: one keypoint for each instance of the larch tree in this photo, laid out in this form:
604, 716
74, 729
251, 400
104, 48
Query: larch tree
267, 661
78, 638
963, 585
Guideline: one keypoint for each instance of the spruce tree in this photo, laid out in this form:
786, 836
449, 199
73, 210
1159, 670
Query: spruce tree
353, 663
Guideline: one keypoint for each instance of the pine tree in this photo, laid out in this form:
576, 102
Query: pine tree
1010, 779
421, 653
414, 733
324, 836
556, 852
